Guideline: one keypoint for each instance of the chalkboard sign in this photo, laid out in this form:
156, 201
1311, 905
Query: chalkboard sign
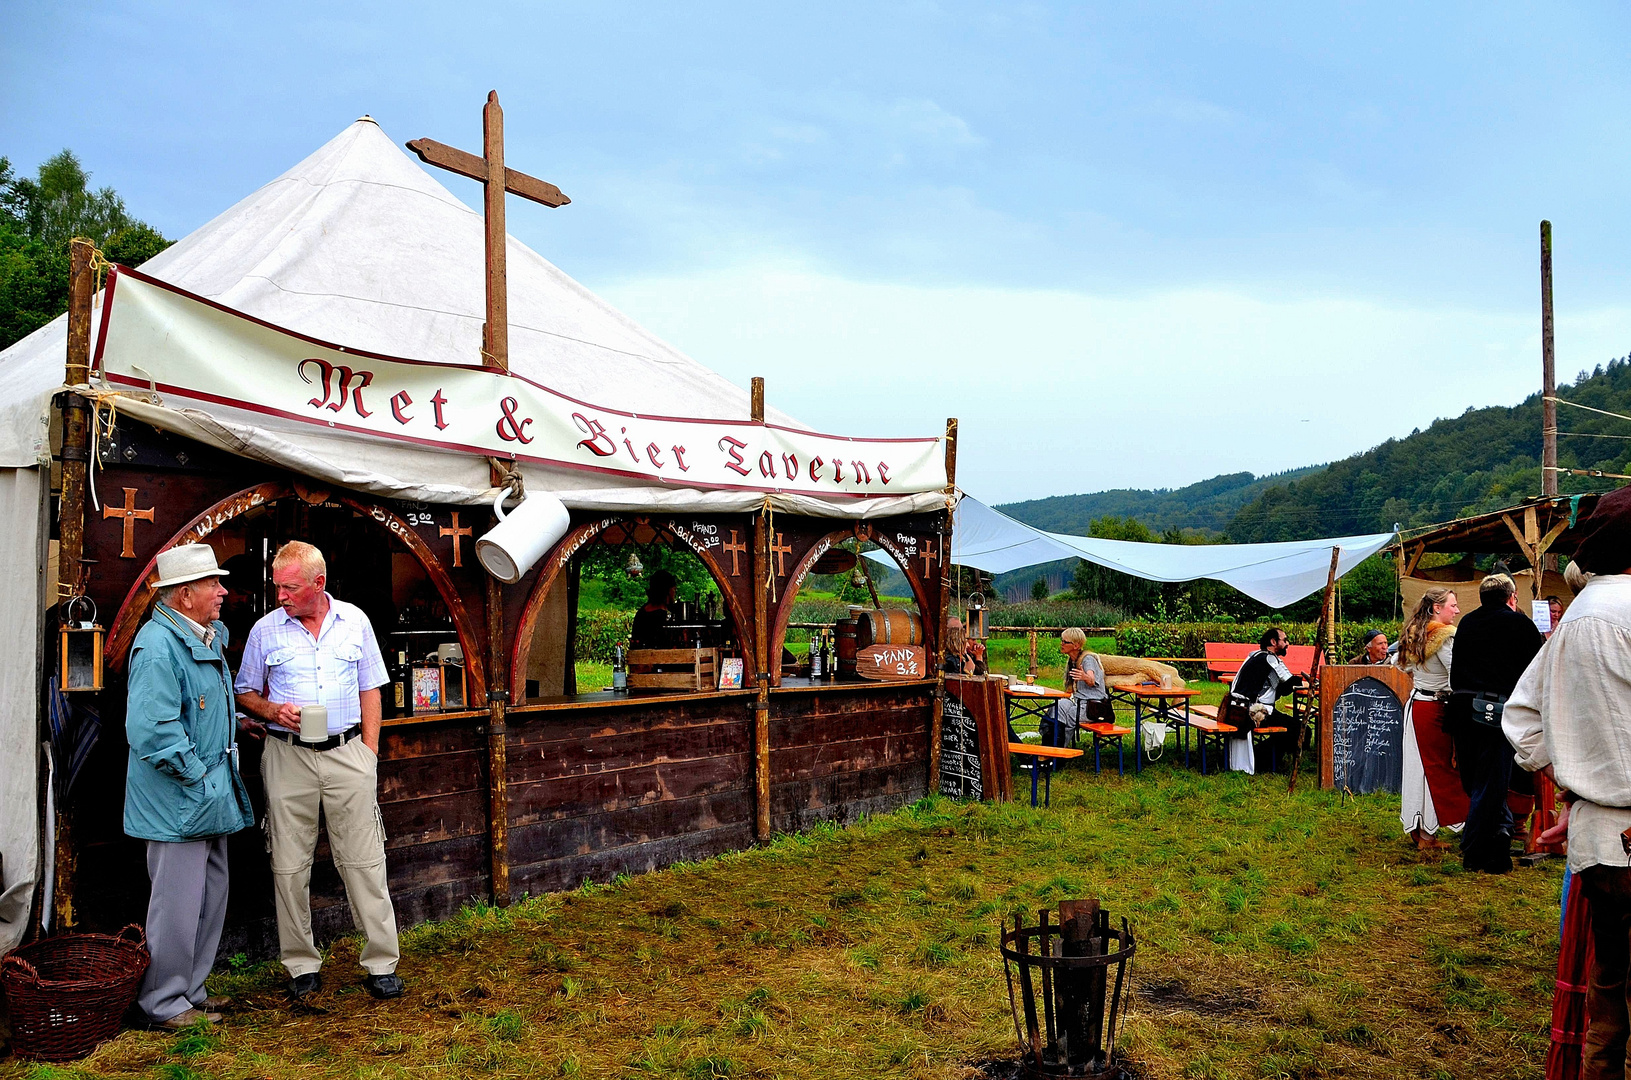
960, 775
1367, 738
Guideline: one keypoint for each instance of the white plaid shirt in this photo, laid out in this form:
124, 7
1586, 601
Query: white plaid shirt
283, 663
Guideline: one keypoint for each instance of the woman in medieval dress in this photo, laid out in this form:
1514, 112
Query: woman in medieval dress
1431, 792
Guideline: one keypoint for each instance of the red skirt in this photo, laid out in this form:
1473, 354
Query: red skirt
1438, 761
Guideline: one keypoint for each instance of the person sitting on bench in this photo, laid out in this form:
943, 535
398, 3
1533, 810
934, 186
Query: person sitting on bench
1089, 701
1261, 681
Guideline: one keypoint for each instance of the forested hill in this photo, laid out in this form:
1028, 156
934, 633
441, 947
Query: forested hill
1481, 460
1208, 506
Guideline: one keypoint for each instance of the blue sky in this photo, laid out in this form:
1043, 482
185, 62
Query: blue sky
1127, 245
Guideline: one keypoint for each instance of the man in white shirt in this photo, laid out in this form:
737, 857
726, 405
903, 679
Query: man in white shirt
1569, 717
316, 650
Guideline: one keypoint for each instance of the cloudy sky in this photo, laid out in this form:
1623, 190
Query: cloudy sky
1127, 245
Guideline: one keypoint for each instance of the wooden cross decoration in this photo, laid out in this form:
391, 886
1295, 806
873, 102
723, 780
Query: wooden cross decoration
457, 534
928, 555
490, 170
780, 551
736, 548
131, 516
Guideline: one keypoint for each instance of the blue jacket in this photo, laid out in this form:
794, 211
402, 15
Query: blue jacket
182, 782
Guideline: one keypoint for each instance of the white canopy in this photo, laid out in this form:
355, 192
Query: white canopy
360, 245
1273, 574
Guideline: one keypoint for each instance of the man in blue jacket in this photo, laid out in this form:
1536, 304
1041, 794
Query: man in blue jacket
183, 792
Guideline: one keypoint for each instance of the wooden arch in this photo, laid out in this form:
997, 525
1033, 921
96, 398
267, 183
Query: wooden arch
863, 531
575, 541
139, 599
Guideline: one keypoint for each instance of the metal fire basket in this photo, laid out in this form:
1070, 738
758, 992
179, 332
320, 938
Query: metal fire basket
1065, 1010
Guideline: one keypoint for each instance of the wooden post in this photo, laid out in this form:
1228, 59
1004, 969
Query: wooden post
757, 403
1032, 669
498, 770
938, 709
496, 334
1548, 376
1326, 638
71, 520
762, 568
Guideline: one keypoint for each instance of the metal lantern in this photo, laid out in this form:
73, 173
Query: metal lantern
81, 653
634, 569
977, 622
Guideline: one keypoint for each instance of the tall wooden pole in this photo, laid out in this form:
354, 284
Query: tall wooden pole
1548, 366
496, 335
763, 567
498, 769
1327, 640
757, 401
71, 520
937, 710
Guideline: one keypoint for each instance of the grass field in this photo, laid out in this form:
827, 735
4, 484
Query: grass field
1278, 937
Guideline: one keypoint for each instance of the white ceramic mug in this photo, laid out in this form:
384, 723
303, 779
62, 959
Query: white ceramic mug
313, 723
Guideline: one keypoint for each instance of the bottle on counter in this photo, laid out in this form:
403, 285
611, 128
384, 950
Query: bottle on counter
827, 644
402, 684
818, 656
620, 673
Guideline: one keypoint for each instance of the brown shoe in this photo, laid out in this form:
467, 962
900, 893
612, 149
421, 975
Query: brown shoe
186, 1019
215, 1002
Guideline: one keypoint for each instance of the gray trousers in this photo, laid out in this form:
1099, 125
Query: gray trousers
185, 914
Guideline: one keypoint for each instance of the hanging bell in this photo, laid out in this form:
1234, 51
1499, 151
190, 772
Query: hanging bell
634, 569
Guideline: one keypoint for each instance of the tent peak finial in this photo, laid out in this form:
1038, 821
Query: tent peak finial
368, 118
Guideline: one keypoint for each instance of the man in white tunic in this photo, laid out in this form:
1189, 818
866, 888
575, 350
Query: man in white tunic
1569, 717
316, 650
1262, 680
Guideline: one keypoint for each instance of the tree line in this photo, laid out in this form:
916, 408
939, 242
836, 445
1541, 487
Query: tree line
39, 215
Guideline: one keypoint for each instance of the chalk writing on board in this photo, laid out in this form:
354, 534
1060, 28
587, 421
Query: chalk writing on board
960, 776
1367, 738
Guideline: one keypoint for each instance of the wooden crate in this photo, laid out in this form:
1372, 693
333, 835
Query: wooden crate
693, 669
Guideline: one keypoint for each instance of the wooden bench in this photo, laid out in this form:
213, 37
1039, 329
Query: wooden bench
1036, 750
1102, 733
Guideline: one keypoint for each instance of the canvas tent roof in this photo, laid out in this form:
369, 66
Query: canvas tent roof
360, 245
1273, 574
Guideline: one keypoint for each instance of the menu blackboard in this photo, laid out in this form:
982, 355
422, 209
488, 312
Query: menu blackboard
1367, 738
960, 775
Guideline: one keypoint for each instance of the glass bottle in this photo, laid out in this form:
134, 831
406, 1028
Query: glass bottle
620, 674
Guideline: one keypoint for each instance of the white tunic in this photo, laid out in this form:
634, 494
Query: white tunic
1572, 710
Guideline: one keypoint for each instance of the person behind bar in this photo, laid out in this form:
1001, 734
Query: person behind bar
1372, 648
650, 629
316, 650
183, 794
1493, 645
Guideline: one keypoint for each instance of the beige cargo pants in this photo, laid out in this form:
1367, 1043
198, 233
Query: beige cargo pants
343, 782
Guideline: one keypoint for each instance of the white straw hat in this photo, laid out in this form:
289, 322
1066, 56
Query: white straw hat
187, 562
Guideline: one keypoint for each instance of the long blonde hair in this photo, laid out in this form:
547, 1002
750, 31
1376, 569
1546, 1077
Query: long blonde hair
1413, 638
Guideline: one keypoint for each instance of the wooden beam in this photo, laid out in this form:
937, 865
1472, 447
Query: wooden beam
497, 336
756, 403
455, 160
763, 610
498, 772
1517, 533
450, 158
1551, 536
937, 710
1415, 557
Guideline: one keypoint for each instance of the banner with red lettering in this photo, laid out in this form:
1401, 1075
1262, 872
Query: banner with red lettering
186, 347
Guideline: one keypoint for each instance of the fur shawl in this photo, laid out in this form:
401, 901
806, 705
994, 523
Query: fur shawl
1437, 635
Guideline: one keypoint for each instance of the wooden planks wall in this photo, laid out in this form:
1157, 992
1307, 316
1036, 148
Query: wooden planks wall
841, 751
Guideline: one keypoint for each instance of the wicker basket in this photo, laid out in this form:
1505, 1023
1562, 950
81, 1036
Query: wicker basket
67, 994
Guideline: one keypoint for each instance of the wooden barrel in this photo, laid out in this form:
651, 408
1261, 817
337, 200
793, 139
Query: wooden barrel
846, 632
889, 626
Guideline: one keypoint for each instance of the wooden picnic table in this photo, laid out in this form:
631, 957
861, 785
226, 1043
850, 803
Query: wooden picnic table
1163, 708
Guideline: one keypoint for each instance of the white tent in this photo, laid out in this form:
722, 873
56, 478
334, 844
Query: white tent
1273, 574
359, 245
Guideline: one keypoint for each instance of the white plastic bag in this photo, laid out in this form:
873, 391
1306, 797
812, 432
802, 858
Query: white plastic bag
1155, 738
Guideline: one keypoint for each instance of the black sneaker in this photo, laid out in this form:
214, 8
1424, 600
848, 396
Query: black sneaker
385, 986
304, 986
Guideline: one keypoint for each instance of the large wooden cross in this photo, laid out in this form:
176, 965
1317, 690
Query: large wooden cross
489, 169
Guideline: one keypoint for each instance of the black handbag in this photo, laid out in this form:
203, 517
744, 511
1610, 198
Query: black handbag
1481, 707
